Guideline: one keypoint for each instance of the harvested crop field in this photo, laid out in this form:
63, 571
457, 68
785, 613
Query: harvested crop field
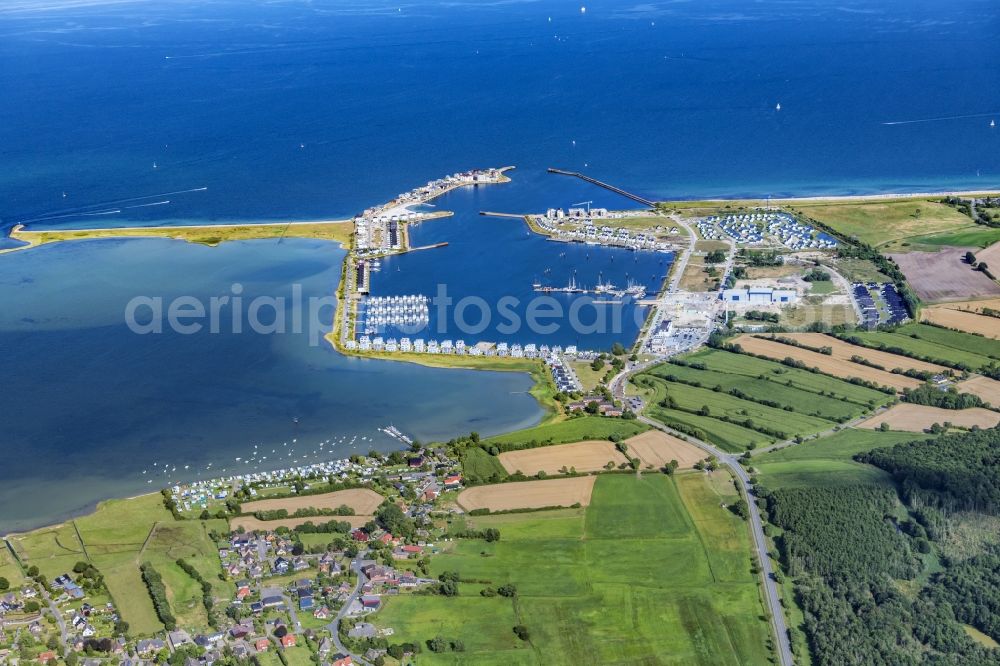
658, 448
362, 500
944, 276
990, 255
652, 448
826, 364
970, 322
917, 418
529, 494
984, 387
250, 524
843, 351
969, 306
587, 456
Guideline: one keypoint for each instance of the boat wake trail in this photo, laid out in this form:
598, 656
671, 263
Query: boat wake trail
941, 118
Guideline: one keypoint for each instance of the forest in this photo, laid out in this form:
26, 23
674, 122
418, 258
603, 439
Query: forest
873, 585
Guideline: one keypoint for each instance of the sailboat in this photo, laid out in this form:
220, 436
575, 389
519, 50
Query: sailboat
993, 123
778, 107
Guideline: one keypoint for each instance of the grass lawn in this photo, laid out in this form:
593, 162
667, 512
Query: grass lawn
573, 430
589, 377
654, 571
879, 222
828, 461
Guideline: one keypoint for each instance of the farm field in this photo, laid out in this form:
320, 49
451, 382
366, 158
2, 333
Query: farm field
976, 236
654, 571
825, 364
572, 430
881, 222
944, 276
770, 386
990, 255
937, 343
653, 448
917, 418
984, 387
750, 368
966, 321
828, 461
727, 436
588, 456
528, 494
722, 404
843, 351
362, 500
968, 306
658, 448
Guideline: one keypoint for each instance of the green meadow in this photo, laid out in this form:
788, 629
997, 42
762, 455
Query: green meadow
731, 363
117, 538
573, 430
936, 343
828, 461
655, 570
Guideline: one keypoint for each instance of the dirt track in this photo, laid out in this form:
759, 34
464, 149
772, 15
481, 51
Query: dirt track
825, 364
944, 275
529, 494
917, 418
362, 500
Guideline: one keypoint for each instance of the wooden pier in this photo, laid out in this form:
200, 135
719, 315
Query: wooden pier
616, 190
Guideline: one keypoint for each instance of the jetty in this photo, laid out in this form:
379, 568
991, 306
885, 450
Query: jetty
607, 186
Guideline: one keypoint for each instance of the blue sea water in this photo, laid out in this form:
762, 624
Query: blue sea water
144, 112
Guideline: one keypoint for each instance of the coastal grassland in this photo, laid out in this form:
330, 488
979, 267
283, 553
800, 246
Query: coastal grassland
9, 568
54, 550
121, 534
937, 343
544, 389
828, 460
574, 429
339, 231
881, 222
654, 571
